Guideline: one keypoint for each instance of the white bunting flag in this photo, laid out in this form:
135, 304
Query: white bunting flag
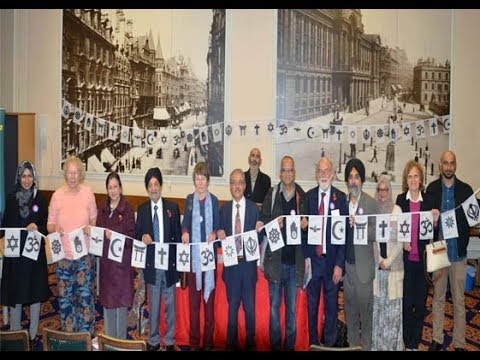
366, 134
176, 136
315, 230
394, 133
217, 132
189, 138
314, 134
203, 134
139, 254
274, 235
88, 125
324, 132
183, 257
360, 230
12, 242
446, 123
101, 127
161, 256
207, 256
293, 231
56, 247
338, 134
433, 126
149, 138
352, 135
426, 226
116, 247
404, 227
471, 210
78, 244
78, 116
125, 135
229, 251
112, 131
407, 132
379, 134
164, 139
449, 224
137, 137
96, 240
66, 108
338, 230
383, 228
32, 245
250, 244
420, 129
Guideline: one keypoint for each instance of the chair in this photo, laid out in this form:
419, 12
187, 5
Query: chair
330, 348
109, 343
54, 340
14, 340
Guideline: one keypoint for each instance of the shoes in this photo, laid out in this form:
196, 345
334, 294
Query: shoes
153, 347
34, 343
435, 346
172, 348
460, 349
209, 348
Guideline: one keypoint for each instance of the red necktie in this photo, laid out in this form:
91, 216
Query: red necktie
319, 249
238, 230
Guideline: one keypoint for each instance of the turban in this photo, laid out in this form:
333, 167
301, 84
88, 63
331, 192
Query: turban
358, 165
153, 172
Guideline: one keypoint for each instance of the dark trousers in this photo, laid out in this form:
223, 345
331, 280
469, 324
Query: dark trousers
196, 298
330, 294
241, 289
414, 298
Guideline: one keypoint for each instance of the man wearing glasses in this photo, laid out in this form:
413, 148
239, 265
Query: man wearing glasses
284, 269
327, 260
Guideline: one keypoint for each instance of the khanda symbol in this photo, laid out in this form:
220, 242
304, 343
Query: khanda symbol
473, 212
293, 230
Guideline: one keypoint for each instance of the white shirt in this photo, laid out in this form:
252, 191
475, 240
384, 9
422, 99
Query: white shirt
352, 208
409, 196
160, 217
242, 203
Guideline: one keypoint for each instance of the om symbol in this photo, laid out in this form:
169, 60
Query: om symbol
207, 256
427, 227
33, 243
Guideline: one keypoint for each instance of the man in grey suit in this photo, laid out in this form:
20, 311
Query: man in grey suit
359, 260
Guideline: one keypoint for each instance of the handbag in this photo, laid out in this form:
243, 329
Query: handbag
437, 256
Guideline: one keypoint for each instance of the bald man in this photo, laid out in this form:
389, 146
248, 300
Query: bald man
448, 193
257, 183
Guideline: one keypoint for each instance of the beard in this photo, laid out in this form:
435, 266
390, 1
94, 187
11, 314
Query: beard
354, 190
448, 174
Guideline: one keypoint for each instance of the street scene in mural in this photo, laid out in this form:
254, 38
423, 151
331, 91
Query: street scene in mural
377, 82
143, 88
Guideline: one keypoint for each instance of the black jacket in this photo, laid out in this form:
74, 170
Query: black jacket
462, 192
262, 185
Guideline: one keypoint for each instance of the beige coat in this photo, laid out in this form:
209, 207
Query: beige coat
394, 262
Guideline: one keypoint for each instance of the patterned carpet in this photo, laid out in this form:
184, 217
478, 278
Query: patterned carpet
50, 318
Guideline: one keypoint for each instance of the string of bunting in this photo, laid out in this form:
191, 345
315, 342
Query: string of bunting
274, 238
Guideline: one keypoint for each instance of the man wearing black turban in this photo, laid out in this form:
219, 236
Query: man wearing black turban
359, 260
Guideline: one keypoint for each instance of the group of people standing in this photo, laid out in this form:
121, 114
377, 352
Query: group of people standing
384, 285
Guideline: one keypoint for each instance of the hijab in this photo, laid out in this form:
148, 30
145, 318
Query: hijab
23, 196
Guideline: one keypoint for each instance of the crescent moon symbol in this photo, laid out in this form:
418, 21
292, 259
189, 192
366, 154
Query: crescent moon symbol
334, 233
112, 248
308, 132
149, 138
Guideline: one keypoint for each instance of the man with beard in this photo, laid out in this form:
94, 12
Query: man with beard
327, 260
257, 183
448, 193
359, 260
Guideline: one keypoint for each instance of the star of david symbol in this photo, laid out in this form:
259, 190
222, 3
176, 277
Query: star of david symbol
190, 138
380, 133
56, 247
184, 258
251, 246
450, 222
274, 236
406, 131
366, 134
12, 243
164, 139
270, 127
228, 130
229, 251
405, 228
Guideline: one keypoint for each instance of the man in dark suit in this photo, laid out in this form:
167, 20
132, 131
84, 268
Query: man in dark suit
158, 221
238, 216
257, 183
327, 260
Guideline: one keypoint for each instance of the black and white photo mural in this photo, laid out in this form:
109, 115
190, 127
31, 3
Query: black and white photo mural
370, 84
143, 88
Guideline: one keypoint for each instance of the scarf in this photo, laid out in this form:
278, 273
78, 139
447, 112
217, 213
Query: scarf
25, 197
196, 238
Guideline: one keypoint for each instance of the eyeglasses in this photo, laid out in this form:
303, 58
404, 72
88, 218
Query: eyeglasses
382, 190
287, 171
237, 183
324, 172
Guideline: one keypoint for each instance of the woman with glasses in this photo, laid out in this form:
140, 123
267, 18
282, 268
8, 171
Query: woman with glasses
25, 281
388, 282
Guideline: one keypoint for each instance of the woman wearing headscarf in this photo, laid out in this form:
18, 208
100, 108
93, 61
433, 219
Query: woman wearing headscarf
25, 281
200, 224
388, 282
116, 278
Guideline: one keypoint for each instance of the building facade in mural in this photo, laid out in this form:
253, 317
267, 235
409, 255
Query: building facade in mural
123, 81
